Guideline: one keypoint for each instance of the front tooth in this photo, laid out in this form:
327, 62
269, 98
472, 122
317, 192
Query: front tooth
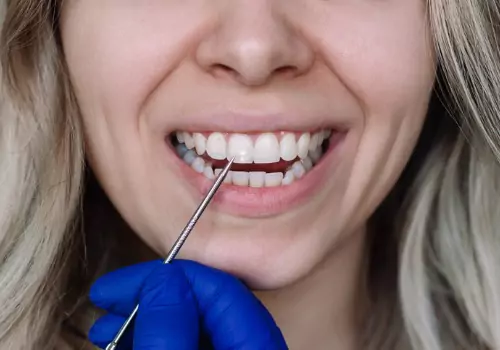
288, 147
288, 178
298, 170
189, 157
273, 179
257, 178
200, 143
241, 148
188, 140
303, 145
240, 178
198, 165
216, 146
267, 149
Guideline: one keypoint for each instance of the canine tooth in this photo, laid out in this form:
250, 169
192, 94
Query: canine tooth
188, 140
298, 169
241, 147
189, 157
288, 178
216, 146
240, 178
180, 137
200, 143
198, 165
303, 145
267, 149
307, 163
181, 149
288, 147
209, 172
257, 178
273, 179
315, 141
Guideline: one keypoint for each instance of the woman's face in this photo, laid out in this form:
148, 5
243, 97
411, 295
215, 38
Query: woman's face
321, 103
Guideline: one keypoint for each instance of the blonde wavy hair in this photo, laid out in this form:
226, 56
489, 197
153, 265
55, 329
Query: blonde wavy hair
434, 275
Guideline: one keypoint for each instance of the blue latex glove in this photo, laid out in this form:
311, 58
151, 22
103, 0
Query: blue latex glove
180, 304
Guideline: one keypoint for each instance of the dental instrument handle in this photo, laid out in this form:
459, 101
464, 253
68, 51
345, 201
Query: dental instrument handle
177, 245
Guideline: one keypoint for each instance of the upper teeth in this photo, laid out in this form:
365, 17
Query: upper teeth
262, 148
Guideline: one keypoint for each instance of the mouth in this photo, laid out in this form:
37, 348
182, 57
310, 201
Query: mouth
268, 159
273, 172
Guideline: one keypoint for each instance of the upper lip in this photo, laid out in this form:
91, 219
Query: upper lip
247, 123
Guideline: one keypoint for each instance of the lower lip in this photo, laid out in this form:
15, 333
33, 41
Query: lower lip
252, 202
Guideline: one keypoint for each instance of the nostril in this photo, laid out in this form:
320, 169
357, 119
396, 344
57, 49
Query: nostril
286, 71
222, 70
225, 71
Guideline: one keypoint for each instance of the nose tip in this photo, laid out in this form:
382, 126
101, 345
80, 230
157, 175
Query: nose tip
252, 47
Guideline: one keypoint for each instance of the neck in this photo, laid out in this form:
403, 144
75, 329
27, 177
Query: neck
323, 309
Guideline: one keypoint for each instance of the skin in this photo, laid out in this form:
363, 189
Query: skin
141, 69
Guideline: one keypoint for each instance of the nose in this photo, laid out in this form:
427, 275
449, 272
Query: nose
252, 42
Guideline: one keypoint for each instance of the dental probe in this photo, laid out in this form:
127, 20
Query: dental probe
178, 244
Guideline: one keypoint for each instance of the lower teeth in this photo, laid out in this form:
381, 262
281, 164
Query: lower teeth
255, 179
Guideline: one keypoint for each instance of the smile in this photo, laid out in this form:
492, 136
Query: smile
267, 159
273, 171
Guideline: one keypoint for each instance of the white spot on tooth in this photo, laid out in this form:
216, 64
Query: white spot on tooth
216, 146
241, 148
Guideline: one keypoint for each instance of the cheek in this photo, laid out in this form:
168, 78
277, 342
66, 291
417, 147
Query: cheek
381, 51
118, 54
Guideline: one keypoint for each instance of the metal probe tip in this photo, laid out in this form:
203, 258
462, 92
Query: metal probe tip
178, 243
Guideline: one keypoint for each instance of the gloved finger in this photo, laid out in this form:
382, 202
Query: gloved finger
168, 317
118, 292
104, 330
232, 316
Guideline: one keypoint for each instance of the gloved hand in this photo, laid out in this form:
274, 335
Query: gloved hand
180, 304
